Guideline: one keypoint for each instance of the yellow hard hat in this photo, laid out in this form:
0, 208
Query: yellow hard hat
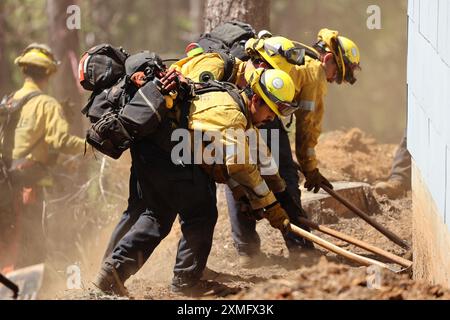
345, 51
279, 52
39, 55
276, 88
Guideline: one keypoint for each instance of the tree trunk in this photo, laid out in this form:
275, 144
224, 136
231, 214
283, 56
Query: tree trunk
196, 10
254, 12
169, 30
5, 78
65, 44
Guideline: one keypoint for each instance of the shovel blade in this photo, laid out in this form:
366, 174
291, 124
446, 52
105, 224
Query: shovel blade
29, 281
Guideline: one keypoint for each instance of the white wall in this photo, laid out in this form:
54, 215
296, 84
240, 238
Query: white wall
429, 96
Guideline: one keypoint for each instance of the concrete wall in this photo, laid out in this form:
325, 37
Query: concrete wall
429, 134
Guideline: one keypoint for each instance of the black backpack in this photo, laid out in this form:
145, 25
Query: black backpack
9, 115
101, 67
9, 111
229, 37
125, 121
124, 113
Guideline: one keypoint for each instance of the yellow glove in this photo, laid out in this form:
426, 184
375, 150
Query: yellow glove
277, 217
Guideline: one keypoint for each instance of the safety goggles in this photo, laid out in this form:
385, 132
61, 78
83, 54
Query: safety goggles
349, 67
293, 55
284, 108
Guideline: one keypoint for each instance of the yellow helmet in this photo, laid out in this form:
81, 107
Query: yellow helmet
39, 55
279, 52
345, 51
276, 88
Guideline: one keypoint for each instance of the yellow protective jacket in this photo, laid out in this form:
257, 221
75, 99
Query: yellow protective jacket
247, 176
42, 126
311, 87
193, 67
219, 112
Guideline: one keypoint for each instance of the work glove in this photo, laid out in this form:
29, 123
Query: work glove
277, 217
314, 180
219, 173
174, 81
289, 204
243, 203
295, 210
246, 209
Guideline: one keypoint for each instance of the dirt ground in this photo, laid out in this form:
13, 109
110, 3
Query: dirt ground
353, 155
317, 274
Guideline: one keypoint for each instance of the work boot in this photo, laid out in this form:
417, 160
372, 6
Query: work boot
245, 261
197, 288
299, 245
295, 243
393, 188
188, 286
250, 260
209, 274
109, 283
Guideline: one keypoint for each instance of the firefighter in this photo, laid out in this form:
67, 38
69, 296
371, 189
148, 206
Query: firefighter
212, 66
335, 60
332, 59
171, 186
399, 181
37, 127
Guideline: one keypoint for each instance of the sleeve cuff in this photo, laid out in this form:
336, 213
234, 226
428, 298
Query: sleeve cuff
263, 202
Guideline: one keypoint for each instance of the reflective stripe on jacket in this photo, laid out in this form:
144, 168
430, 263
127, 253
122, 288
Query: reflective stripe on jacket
311, 87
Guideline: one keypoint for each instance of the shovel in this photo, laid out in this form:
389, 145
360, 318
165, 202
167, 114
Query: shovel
387, 233
342, 252
25, 283
10, 285
359, 243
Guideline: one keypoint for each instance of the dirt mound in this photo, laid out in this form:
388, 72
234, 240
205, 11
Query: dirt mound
332, 281
353, 155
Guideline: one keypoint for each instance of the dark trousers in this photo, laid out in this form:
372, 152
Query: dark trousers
401, 166
136, 206
243, 228
167, 190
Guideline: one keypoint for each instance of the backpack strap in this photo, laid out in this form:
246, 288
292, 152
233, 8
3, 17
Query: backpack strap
308, 51
184, 114
9, 107
235, 93
13, 107
16, 105
229, 62
231, 89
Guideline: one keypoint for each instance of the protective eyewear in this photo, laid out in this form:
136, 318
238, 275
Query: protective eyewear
349, 67
284, 108
293, 55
